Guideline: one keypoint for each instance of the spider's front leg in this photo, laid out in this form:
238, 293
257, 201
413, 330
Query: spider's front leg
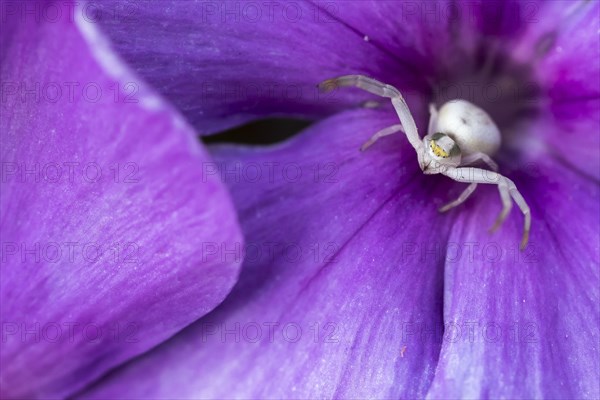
381, 89
360, 81
470, 159
507, 189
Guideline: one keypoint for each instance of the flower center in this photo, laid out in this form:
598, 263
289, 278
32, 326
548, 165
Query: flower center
504, 89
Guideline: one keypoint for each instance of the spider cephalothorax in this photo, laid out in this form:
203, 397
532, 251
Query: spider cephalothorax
440, 151
459, 134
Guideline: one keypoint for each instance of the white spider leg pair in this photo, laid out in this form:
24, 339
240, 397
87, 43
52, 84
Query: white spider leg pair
474, 176
471, 159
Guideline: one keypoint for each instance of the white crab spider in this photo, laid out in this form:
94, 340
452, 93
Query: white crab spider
459, 134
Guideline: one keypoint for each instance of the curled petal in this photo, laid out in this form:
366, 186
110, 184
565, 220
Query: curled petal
104, 208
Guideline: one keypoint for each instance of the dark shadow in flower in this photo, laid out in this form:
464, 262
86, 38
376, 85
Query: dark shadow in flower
260, 132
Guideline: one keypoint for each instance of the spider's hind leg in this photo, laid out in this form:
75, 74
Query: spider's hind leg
433, 116
473, 158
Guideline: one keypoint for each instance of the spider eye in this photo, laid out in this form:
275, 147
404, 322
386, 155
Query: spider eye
437, 150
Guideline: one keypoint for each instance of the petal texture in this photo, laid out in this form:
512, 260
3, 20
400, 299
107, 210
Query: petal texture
343, 300
104, 209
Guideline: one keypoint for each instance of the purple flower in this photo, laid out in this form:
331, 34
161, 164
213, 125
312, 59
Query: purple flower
352, 285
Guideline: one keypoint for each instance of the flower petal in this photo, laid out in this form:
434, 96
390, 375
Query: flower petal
104, 211
570, 133
570, 67
525, 324
224, 63
571, 72
330, 253
563, 46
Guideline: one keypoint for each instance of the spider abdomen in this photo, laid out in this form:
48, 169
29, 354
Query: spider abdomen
469, 126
